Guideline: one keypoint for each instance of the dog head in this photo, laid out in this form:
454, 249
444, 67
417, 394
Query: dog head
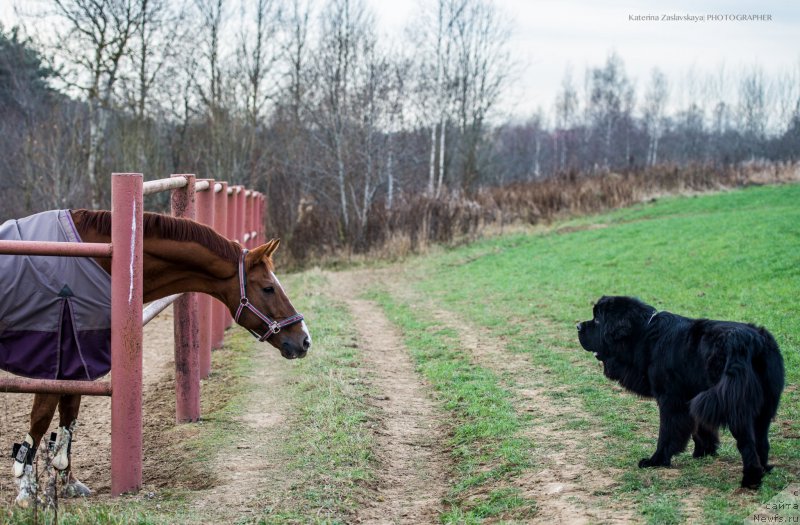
617, 322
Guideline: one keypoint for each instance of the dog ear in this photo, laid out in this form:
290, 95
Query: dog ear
618, 328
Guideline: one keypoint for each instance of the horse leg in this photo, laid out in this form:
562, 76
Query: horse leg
68, 408
44, 406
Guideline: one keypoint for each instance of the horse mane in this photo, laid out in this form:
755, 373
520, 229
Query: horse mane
165, 227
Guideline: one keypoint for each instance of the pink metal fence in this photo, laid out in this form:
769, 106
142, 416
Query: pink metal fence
200, 322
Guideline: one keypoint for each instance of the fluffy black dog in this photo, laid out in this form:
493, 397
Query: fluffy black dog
703, 374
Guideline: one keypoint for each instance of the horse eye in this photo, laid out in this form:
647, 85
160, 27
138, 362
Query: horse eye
268, 289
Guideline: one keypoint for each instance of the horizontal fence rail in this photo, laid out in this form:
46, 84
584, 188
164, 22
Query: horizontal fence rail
157, 186
25, 385
64, 249
156, 307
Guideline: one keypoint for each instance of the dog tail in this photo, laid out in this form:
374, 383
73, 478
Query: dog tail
738, 396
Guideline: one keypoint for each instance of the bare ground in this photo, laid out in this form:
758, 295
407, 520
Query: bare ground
248, 462
565, 487
413, 463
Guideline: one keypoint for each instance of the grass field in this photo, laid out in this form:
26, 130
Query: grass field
728, 256
489, 328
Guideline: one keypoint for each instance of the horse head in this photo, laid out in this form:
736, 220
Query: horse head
264, 307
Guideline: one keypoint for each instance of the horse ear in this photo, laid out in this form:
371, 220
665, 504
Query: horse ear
259, 254
272, 246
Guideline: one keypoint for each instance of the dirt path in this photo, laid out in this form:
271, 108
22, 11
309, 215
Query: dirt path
412, 477
565, 488
247, 459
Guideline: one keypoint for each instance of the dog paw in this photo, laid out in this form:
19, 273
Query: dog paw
752, 478
703, 452
652, 462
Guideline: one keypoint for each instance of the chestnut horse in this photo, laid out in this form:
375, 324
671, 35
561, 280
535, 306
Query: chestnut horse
180, 255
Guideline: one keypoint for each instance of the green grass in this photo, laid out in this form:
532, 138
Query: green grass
730, 256
328, 445
84, 514
486, 443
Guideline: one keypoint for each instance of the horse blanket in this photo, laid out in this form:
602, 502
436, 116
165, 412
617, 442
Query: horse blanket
55, 312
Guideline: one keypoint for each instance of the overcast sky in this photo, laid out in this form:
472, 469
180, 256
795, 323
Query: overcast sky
551, 35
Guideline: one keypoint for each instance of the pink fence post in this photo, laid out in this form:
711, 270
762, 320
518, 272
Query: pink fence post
219, 310
187, 347
241, 217
261, 238
126, 334
205, 215
233, 202
248, 218
254, 219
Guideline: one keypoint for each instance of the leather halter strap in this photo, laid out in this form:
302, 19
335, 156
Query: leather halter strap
273, 327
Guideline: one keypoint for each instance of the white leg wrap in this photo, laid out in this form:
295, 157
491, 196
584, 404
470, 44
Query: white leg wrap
61, 451
27, 487
19, 466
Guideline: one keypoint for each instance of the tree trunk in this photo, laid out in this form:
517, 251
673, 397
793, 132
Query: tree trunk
441, 156
432, 165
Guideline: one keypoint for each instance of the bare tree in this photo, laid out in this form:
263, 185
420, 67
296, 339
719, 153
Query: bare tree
434, 29
566, 109
213, 15
93, 45
655, 101
258, 53
295, 53
610, 101
752, 103
345, 33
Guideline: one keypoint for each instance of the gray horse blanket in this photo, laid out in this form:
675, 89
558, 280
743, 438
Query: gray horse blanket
55, 312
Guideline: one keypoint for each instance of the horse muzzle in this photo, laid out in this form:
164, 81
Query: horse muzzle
291, 350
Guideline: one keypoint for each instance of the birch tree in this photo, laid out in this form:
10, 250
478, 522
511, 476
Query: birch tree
655, 101
93, 46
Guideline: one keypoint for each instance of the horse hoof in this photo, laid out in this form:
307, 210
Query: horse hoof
25, 483
23, 501
75, 489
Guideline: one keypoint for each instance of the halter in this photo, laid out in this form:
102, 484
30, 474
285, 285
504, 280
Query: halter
273, 327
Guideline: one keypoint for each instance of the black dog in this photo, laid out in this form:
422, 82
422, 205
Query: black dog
703, 374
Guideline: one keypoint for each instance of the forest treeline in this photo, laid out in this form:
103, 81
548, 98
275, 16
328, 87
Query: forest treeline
362, 142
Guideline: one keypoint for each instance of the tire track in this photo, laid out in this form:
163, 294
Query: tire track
413, 465
565, 487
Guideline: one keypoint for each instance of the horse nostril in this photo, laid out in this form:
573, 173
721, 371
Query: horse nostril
306, 343
579, 326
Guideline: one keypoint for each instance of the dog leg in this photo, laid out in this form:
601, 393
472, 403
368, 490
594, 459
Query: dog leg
706, 441
762, 439
752, 470
673, 434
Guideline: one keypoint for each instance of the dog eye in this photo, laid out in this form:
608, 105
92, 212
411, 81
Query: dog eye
268, 289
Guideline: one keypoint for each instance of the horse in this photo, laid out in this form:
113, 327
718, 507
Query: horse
180, 255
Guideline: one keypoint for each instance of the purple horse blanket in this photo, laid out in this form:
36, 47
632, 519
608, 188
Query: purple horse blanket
55, 312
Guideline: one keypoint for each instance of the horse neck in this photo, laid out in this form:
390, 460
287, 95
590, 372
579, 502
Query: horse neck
172, 267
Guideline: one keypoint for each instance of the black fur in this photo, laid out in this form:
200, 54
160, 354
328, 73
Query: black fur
703, 374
